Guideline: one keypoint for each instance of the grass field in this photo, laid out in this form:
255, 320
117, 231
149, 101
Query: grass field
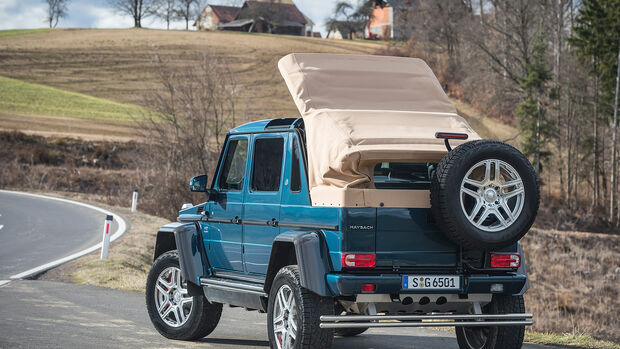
117, 65
14, 32
20, 97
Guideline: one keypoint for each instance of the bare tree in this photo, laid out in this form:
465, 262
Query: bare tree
187, 10
138, 9
166, 11
185, 125
612, 203
56, 9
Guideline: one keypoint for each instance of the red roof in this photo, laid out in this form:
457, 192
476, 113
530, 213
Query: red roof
286, 12
225, 13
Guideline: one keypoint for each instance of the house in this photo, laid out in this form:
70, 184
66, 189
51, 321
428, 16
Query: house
213, 15
391, 20
262, 16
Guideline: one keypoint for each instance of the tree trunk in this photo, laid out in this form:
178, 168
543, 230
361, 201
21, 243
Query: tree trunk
612, 203
559, 31
595, 140
537, 153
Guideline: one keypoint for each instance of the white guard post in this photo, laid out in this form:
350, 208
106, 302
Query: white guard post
105, 245
134, 200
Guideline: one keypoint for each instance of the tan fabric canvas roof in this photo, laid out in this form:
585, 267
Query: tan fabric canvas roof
360, 110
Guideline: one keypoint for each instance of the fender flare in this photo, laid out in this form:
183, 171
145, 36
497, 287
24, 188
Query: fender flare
522, 270
312, 257
192, 256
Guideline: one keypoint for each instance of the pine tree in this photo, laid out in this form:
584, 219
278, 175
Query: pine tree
532, 114
596, 40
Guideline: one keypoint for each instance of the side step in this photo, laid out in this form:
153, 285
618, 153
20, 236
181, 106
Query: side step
234, 285
357, 321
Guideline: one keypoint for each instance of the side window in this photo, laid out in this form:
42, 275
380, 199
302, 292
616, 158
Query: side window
267, 164
231, 177
295, 170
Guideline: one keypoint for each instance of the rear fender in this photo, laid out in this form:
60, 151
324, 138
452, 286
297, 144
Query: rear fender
309, 251
187, 240
522, 270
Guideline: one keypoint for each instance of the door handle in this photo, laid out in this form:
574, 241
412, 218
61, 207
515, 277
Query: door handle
273, 222
236, 220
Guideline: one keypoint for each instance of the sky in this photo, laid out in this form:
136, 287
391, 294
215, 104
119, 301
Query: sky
26, 14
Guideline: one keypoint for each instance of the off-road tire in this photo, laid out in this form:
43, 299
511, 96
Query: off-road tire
349, 332
310, 307
346, 332
499, 337
203, 318
445, 190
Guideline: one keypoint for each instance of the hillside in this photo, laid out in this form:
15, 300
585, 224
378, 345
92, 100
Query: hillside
117, 65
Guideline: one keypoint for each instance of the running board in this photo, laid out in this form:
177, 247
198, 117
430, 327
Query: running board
234, 285
469, 320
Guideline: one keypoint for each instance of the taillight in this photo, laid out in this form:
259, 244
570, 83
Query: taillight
505, 260
359, 260
368, 288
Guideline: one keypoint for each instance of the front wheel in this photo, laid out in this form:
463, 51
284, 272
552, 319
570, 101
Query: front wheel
498, 337
293, 314
173, 311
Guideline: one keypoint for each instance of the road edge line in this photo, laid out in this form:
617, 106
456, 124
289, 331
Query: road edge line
122, 228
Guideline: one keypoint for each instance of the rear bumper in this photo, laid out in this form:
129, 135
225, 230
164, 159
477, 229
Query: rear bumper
469, 320
348, 284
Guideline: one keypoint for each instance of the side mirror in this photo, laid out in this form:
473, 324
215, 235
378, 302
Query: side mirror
198, 184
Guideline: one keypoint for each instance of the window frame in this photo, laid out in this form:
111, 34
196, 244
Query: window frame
257, 137
218, 180
294, 152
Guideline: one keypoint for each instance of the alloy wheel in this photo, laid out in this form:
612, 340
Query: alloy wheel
492, 195
174, 304
285, 318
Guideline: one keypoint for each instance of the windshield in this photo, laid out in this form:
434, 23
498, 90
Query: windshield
403, 175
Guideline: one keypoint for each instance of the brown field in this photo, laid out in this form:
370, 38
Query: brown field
118, 65
575, 280
58, 126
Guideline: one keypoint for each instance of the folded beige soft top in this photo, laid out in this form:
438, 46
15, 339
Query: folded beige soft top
360, 110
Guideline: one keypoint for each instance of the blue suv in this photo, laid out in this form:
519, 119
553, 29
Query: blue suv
268, 238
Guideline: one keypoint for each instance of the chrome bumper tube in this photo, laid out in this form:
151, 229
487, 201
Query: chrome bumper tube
356, 321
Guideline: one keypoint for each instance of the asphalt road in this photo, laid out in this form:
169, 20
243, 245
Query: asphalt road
44, 314
36, 231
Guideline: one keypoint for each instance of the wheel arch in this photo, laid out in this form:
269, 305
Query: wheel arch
187, 240
308, 250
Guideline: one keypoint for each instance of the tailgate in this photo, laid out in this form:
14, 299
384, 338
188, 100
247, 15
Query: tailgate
406, 238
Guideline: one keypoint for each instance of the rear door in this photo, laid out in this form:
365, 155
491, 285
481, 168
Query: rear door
262, 203
224, 233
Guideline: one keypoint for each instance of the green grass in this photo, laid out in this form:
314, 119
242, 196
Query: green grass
12, 32
18, 97
569, 340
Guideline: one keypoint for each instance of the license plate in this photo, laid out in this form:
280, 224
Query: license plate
431, 282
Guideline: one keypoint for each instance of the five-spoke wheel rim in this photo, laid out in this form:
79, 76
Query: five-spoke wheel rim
173, 302
285, 318
492, 195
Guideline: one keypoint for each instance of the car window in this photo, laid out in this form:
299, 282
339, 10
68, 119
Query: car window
231, 177
267, 164
295, 167
403, 175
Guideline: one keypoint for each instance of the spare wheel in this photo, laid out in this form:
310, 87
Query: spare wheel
485, 195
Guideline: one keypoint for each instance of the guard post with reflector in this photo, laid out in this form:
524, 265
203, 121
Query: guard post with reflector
134, 200
105, 245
